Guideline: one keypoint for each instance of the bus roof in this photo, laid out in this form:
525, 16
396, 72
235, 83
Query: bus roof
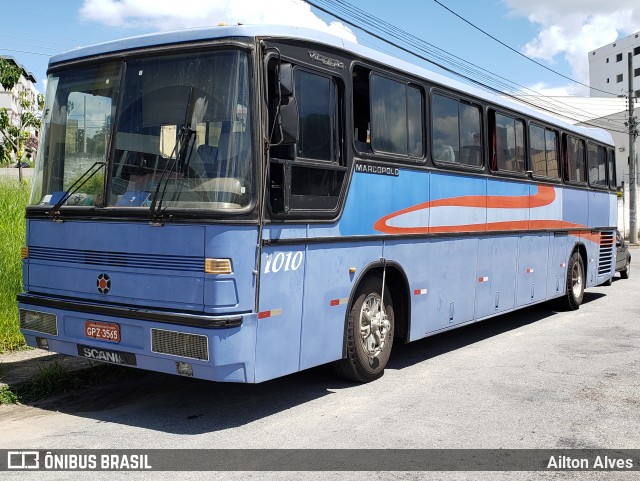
297, 33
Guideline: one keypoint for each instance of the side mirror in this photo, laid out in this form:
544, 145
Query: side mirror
284, 111
285, 78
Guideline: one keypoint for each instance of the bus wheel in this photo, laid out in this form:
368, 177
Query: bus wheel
575, 283
369, 333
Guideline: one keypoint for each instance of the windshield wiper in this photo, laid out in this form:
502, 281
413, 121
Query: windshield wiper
73, 188
182, 143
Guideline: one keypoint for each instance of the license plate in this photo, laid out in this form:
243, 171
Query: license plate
104, 331
107, 355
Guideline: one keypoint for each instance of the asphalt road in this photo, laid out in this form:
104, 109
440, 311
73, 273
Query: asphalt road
532, 379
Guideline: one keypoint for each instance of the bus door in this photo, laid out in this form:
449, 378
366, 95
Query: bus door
307, 169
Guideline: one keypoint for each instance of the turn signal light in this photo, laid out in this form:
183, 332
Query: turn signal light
217, 266
24, 252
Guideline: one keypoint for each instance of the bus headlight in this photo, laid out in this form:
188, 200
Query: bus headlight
39, 321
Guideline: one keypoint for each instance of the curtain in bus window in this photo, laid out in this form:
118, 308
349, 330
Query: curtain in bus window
470, 135
388, 115
575, 160
444, 127
415, 122
509, 143
611, 162
316, 107
551, 143
537, 150
597, 160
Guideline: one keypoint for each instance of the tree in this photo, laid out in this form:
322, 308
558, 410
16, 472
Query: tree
16, 135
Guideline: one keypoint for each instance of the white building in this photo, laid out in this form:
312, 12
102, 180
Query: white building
609, 70
10, 99
609, 76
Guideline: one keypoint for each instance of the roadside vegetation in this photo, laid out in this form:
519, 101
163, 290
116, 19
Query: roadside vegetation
54, 379
14, 196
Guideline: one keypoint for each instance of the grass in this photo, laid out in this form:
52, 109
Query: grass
14, 196
55, 379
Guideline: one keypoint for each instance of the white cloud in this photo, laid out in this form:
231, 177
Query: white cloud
167, 15
572, 28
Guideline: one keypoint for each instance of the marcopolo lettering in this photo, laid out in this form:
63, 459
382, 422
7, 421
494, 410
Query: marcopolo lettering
377, 169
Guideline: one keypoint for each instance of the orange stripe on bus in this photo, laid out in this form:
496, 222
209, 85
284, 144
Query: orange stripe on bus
545, 196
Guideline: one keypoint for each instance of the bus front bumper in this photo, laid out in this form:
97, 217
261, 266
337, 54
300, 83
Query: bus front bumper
217, 348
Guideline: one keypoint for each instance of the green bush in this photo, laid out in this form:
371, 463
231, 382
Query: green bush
14, 196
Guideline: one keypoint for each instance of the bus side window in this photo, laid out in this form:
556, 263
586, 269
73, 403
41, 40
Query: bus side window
456, 131
575, 161
597, 163
387, 115
361, 110
508, 144
308, 175
543, 152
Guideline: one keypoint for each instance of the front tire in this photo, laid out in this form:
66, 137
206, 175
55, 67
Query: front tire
575, 283
369, 333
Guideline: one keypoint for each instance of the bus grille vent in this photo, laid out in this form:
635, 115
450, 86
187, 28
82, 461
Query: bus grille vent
181, 344
606, 259
117, 259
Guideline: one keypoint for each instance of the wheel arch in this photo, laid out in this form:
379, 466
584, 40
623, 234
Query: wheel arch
582, 250
398, 284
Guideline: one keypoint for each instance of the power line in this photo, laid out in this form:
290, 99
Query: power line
30, 37
458, 63
25, 51
26, 44
517, 51
463, 67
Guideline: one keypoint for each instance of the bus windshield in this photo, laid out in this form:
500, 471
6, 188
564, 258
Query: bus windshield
173, 127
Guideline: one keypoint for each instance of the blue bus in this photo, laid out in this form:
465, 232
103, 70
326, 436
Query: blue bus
243, 202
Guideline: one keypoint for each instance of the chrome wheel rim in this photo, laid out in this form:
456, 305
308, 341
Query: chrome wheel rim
374, 325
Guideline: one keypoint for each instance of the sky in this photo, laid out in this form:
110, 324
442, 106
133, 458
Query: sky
556, 33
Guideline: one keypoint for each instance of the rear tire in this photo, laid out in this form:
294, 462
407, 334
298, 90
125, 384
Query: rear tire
369, 334
624, 273
575, 283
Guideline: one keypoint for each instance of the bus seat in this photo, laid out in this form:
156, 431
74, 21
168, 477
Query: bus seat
446, 154
209, 156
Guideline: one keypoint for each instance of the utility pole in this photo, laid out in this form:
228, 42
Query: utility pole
633, 176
